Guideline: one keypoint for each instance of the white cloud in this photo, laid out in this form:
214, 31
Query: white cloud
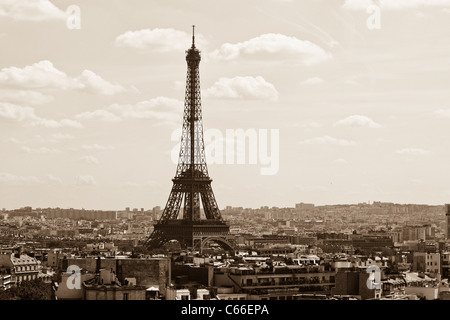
164, 110
102, 115
54, 138
90, 159
96, 147
328, 140
15, 112
12, 179
242, 88
313, 81
393, 4
41, 150
160, 40
414, 152
89, 81
26, 114
43, 74
71, 123
32, 10
56, 124
18, 180
86, 180
279, 44
24, 97
39, 75
357, 121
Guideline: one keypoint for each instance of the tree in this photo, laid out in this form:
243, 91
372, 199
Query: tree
28, 290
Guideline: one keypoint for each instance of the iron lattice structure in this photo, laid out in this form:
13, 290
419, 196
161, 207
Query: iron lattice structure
191, 184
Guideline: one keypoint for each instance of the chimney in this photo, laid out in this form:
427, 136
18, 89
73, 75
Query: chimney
65, 263
98, 265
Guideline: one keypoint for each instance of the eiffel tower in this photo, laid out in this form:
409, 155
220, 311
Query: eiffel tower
192, 183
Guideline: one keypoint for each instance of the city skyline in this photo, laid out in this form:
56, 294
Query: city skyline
89, 112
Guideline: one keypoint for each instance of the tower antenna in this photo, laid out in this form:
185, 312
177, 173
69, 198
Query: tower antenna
193, 36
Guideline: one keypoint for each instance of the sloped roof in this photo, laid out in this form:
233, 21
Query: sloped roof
24, 259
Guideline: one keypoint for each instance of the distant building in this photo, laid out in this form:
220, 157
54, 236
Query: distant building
70, 288
414, 233
368, 242
106, 249
278, 283
156, 213
106, 286
304, 206
178, 294
21, 267
427, 262
52, 258
355, 283
421, 285
445, 264
149, 272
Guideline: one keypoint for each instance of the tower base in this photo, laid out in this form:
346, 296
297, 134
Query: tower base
192, 234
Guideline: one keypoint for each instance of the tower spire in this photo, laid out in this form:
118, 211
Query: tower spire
193, 36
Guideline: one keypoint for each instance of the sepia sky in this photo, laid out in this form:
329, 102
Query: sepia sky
89, 117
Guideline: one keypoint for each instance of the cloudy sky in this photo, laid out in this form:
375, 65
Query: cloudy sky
346, 101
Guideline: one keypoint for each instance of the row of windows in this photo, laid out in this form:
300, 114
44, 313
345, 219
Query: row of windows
27, 277
286, 280
26, 268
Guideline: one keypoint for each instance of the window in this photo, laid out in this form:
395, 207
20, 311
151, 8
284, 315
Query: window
125, 296
184, 297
